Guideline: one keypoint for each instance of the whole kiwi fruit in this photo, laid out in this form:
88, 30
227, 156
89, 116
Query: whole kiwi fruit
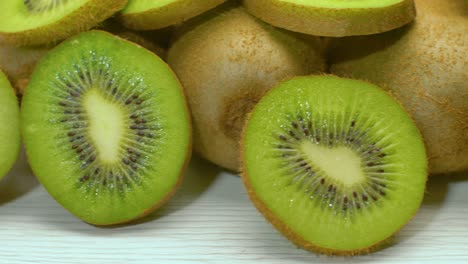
226, 60
18, 63
424, 66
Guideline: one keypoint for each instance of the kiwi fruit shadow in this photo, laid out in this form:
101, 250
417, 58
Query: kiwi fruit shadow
378, 43
18, 182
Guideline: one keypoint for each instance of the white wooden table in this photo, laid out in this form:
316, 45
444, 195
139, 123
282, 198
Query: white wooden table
210, 220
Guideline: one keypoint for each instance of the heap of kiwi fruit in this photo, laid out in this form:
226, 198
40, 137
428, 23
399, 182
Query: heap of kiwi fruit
334, 112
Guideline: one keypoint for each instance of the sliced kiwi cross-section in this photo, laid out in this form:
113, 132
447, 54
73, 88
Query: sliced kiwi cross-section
335, 164
37, 22
149, 15
10, 129
334, 18
106, 128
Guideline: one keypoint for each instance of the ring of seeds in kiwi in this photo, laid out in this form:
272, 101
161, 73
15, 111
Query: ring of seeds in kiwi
335, 164
334, 18
150, 15
10, 130
38, 22
106, 128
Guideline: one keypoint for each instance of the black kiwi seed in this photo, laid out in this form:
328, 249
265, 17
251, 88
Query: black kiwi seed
84, 178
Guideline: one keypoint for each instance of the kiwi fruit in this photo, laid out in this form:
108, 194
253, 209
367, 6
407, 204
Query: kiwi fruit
38, 22
10, 129
334, 164
334, 18
226, 60
424, 66
150, 15
18, 63
106, 128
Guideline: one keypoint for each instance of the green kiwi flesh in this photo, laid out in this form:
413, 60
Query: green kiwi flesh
106, 128
334, 18
335, 164
424, 66
149, 15
38, 22
226, 60
10, 129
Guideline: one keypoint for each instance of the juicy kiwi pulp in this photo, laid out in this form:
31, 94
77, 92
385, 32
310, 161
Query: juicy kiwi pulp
37, 22
335, 164
10, 129
334, 18
148, 15
105, 128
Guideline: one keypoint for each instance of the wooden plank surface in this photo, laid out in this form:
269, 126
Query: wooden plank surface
210, 220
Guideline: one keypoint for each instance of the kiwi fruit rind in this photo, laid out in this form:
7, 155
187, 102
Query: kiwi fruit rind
424, 66
226, 60
334, 18
106, 128
39, 22
150, 15
335, 164
18, 63
10, 130
144, 42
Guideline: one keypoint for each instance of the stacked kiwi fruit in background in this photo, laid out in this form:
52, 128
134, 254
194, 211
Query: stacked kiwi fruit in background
337, 163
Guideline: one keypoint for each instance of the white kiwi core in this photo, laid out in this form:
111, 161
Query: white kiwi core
106, 125
339, 163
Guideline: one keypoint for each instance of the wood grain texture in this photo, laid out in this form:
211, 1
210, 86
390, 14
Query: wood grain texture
210, 220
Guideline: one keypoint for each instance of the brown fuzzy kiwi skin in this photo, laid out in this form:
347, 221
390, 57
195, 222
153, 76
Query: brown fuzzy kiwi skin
18, 63
226, 60
422, 65
82, 19
167, 15
283, 228
332, 22
188, 154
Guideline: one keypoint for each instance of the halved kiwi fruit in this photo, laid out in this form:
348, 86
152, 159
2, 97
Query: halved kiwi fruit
149, 15
335, 164
226, 60
37, 22
10, 129
106, 128
334, 18
424, 65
